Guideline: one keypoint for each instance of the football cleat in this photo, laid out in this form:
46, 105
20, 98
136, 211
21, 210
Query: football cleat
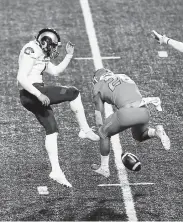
60, 178
104, 171
160, 132
89, 135
131, 162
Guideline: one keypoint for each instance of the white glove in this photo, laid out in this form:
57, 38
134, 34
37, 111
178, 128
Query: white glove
162, 39
70, 48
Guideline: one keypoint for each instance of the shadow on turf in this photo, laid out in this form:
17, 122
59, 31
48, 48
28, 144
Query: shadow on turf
104, 214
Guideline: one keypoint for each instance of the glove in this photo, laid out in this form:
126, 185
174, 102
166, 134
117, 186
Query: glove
162, 39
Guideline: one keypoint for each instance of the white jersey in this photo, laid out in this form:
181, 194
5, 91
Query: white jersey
33, 50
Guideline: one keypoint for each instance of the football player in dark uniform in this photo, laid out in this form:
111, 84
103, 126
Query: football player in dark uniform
34, 60
122, 92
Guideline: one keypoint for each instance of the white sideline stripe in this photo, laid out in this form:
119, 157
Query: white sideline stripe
91, 58
120, 185
117, 149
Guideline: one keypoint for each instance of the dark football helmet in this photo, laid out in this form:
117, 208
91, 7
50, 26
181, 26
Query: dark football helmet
100, 73
49, 41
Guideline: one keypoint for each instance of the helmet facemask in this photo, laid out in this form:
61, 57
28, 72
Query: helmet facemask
49, 47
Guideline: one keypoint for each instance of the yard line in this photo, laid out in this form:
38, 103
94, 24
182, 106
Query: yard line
117, 149
91, 58
131, 184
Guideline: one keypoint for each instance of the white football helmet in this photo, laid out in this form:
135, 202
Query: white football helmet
49, 41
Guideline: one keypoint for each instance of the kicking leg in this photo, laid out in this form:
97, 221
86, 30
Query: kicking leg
59, 94
78, 109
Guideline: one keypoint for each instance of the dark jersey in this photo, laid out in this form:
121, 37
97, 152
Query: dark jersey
118, 90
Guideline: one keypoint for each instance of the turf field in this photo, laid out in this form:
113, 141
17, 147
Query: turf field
122, 29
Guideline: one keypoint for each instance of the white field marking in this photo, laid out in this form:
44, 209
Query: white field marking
43, 190
117, 149
120, 185
163, 54
91, 58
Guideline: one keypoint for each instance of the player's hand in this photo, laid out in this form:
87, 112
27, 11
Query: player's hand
162, 39
44, 100
70, 48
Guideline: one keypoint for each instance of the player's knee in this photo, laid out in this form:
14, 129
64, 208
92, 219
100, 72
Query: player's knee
52, 128
74, 92
138, 137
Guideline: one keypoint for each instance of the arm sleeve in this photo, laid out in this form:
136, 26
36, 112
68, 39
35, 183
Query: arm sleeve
55, 70
175, 44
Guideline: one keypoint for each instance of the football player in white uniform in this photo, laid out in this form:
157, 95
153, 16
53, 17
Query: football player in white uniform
34, 60
163, 39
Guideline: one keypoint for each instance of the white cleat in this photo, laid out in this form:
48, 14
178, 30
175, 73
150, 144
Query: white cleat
89, 135
60, 178
160, 132
104, 171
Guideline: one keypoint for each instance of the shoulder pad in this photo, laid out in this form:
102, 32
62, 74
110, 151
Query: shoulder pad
32, 49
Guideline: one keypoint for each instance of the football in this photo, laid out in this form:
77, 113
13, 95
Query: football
131, 162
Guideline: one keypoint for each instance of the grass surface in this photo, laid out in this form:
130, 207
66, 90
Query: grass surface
123, 29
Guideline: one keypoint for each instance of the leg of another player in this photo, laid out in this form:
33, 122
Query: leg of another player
160, 133
143, 132
85, 131
104, 156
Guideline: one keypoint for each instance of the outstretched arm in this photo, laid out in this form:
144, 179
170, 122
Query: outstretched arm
99, 109
176, 44
55, 70
163, 39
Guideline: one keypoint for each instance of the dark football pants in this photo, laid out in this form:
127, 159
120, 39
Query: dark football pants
135, 118
44, 114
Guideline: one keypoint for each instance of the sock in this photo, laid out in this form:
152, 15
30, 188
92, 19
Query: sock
104, 161
151, 132
52, 149
77, 107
